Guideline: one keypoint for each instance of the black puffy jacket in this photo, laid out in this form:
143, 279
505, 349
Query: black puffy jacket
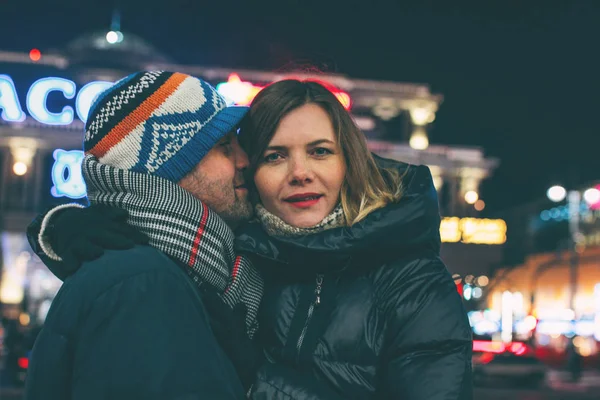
365, 312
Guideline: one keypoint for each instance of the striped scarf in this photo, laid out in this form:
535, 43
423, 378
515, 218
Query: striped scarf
181, 226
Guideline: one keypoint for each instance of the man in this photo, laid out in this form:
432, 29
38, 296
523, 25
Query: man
131, 324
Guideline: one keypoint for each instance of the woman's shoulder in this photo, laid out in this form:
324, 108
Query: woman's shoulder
410, 278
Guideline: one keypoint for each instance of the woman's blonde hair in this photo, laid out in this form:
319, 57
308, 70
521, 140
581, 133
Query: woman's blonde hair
366, 187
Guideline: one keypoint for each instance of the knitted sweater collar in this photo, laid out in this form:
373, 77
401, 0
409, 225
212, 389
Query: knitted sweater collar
275, 226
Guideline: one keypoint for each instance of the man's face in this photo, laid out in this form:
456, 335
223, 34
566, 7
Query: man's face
218, 181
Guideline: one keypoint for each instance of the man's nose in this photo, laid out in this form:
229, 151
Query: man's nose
241, 158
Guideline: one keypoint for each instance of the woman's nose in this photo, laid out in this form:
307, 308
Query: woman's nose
301, 172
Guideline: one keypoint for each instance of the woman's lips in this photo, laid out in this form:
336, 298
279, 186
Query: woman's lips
304, 200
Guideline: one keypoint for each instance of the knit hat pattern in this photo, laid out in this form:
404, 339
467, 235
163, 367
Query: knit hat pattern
159, 123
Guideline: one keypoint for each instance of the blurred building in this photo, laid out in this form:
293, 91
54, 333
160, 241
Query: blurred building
45, 99
540, 290
545, 226
548, 289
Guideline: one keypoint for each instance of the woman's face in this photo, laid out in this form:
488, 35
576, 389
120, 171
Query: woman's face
302, 170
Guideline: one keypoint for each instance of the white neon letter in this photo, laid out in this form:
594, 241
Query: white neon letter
36, 100
86, 97
9, 102
72, 185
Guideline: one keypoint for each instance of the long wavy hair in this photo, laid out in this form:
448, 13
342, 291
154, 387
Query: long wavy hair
366, 187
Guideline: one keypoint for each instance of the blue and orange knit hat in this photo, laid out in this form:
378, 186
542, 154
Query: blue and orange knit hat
159, 123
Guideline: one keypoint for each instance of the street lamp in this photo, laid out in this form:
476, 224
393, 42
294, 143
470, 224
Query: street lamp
592, 196
23, 151
557, 194
418, 140
421, 114
20, 168
114, 37
471, 197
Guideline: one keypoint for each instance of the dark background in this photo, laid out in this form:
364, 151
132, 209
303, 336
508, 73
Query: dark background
520, 78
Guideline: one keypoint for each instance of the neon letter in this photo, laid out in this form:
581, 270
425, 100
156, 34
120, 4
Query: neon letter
9, 102
36, 100
86, 97
72, 185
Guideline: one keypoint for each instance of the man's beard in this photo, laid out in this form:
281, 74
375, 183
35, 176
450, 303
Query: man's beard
232, 206
238, 212
223, 199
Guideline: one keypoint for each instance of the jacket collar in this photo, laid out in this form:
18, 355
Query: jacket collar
410, 224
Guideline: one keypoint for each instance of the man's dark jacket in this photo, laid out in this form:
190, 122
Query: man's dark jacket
129, 325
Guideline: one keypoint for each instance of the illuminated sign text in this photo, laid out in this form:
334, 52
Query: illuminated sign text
473, 230
37, 96
66, 174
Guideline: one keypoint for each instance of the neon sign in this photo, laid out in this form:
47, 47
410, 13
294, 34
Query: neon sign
9, 102
66, 174
237, 92
473, 230
234, 90
242, 93
38, 94
37, 97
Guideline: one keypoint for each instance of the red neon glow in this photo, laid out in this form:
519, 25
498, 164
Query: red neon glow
485, 358
35, 55
242, 93
343, 98
488, 347
517, 348
23, 362
596, 206
460, 288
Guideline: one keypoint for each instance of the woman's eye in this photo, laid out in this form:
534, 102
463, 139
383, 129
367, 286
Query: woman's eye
272, 157
321, 151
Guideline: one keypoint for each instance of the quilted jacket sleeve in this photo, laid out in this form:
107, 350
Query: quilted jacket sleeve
279, 382
428, 339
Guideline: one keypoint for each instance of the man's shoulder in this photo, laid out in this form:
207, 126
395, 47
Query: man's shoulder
123, 264
115, 278
124, 268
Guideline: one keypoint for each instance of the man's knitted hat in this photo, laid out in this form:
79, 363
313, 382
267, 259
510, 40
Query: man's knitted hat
159, 123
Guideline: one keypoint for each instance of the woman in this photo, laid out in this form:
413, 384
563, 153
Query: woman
357, 303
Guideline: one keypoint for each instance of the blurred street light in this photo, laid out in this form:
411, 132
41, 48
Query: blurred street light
418, 140
468, 292
422, 115
35, 55
556, 193
471, 197
479, 205
22, 151
20, 168
591, 196
112, 37
482, 281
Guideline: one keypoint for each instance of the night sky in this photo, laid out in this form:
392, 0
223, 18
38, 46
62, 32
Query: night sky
520, 80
